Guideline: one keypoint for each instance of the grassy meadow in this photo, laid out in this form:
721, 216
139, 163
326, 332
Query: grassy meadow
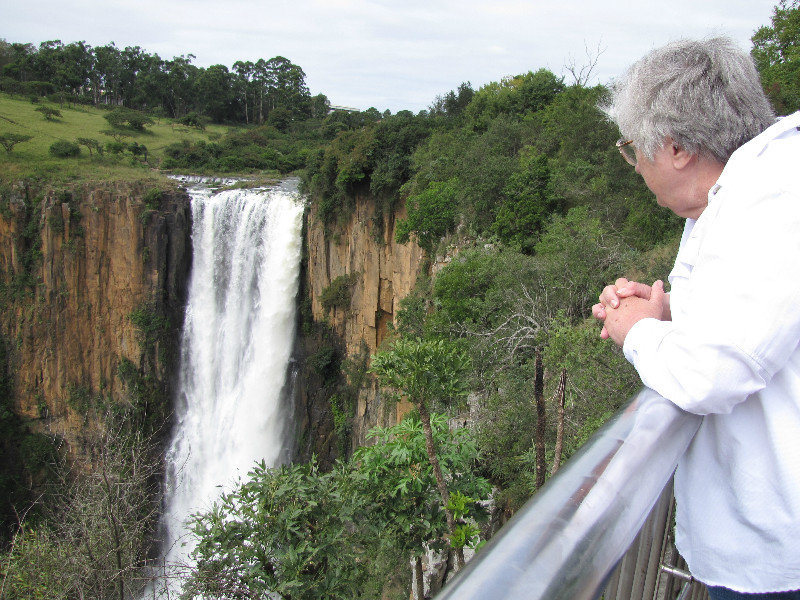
33, 159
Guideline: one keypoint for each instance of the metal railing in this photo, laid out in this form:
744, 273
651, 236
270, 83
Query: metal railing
565, 542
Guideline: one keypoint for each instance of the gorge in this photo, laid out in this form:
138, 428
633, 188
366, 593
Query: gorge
125, 268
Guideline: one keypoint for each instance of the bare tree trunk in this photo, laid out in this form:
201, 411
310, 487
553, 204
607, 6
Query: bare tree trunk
418, 578
560, 395
425, 417
114, 526
541, 421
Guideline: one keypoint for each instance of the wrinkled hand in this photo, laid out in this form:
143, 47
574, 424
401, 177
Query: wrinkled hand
632, 309
612, 295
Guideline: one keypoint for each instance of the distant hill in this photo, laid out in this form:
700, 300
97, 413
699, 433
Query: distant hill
33, 158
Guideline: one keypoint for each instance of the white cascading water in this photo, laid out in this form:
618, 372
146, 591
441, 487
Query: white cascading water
236, 346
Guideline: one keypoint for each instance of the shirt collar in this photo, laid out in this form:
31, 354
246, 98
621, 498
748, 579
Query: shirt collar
781, 126
756, 146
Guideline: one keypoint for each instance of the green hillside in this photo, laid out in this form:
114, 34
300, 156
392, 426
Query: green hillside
33, 159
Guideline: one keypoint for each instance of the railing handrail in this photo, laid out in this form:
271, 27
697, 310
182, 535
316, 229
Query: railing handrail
566, 540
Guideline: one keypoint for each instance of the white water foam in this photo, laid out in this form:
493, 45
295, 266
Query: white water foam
236, 346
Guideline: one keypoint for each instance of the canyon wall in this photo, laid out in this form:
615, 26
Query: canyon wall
94, 281
380, 272
93, 284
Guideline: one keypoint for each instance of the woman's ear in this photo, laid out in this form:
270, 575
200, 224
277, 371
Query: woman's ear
680, 156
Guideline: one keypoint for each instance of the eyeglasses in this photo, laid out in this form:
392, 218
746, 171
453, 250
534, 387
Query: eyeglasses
628, 151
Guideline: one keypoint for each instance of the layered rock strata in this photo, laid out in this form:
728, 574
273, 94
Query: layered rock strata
381, 272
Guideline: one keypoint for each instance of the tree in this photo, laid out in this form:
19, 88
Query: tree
526, 204
180, 80
50, 114
288, 86
431, 214
120, 118
512, 96
117, 135
454, 102
303, 533
280, 118
292, 531
214, 87
578, 255
776, 51
107, 74
425, 372
320, 106
9, 140
98, 535
91, 145
582, 74
243, 86
397, 476
64, 149
138, 150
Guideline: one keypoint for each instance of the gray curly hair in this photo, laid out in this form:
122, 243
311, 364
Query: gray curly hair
704, 94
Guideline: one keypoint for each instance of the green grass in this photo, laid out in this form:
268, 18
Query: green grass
32, 158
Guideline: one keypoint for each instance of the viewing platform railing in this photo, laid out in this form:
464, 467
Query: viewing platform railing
565, 543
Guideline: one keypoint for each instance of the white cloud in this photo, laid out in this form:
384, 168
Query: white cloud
385, 53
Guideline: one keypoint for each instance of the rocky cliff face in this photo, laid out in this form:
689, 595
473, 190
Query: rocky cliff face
93, 279
380, 272
93, 285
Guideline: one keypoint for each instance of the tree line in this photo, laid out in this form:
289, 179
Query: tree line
246, 93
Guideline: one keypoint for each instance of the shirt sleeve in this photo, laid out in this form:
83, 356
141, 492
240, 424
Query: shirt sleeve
740, 316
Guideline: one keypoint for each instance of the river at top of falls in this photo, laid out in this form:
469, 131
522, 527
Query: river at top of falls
232, 407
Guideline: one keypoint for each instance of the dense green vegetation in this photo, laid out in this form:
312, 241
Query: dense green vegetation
521, 185
100, 142
98, 151
128, 109
271, 90
776, 50
519, 189
516, 188
344, 533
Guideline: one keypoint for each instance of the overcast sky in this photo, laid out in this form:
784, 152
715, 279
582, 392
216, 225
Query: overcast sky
395, 54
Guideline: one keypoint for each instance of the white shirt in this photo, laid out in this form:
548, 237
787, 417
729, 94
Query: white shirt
731, 352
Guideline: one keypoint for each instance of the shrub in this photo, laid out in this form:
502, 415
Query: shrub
51, 114
152, 327
339, 293
325, 362
65, 149
116, 147
431, 214
152, 198
9, 140
194, 119
125, 117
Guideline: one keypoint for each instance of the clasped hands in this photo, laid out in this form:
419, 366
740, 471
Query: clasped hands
625, 303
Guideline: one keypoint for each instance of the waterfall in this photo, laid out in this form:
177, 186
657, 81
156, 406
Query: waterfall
235, 350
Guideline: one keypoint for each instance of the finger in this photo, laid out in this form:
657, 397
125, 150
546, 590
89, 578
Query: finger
599, 311
621, 282
604, 334
634, 288
609, 296
657, 293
